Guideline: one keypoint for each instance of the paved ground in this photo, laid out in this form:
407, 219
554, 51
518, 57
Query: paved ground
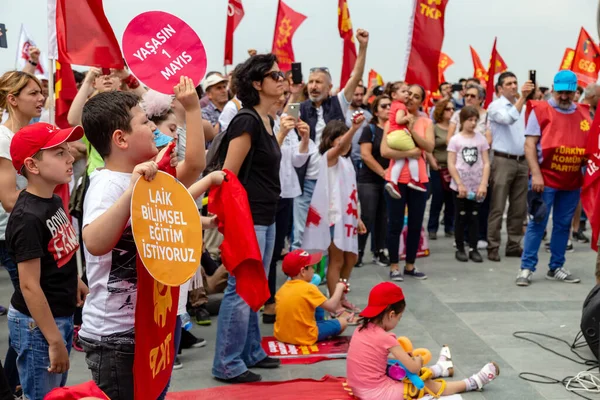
474, 308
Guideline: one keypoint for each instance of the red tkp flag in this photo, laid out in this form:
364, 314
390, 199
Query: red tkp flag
347, 35
235, 13
81, 34
426, 36
500, 64
479, 70
155, 318
489, 96
443, 65
567, 60
586, 59
590, 192
288, 21
66, 90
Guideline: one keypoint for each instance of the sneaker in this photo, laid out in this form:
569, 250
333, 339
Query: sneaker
246, 377
415, 273
3, 310
482, 245
177, 364
202, 316
580, 237
359, 262
381, 259
461, 256
524, 277
76, 345
475, 256
561, 274
432, 235
396, 275
487, 374
268, 363
188, 340
393, 190
417, 186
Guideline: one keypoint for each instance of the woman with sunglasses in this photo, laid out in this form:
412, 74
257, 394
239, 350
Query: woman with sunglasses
371, 183
253, 154
421, 129
439, 175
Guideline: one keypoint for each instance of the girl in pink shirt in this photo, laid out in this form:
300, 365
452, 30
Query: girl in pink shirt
372, 342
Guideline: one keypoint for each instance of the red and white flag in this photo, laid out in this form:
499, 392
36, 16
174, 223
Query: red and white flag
25, 42
590, 192
317, 234
235, 13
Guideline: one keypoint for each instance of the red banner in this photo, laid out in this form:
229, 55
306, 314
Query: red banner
235, 13
288, 21
445, 62
427, 36
347, 35
500, 64
586, 59
66, 90
374, 79
495, 62
479, 70
567, 60
590, 193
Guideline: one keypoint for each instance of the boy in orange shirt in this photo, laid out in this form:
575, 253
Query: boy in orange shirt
299, 305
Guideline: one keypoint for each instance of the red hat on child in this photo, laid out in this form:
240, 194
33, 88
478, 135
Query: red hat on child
39, 136
381, 296
294, 261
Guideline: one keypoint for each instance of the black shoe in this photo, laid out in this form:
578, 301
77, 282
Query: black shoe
515, 252
268, 318
177, 364
359, 263
461, 256
381, 259
188, 340
580, 237
475, 256
267, 363
432, 235
449, 234
202, 316
246, 377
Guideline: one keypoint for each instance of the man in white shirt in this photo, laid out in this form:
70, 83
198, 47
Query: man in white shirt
510, 174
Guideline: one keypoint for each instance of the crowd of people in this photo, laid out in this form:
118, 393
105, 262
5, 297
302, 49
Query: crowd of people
352, 164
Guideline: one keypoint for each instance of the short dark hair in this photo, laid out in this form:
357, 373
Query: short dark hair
468, 112
363, 87
397, 307
461, 80
250, 71
375, 107
333, 130
105, 113
442, 84
504, 76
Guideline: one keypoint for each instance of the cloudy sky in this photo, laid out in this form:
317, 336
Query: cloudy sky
532, 34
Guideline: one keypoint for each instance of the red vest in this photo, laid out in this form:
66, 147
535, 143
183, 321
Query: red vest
563, 143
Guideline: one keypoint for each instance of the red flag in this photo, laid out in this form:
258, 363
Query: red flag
235, 13
66, 90
494, 64
426, 35
374, 76
590, 193
443, 65
347, 35
567, 60
479, 71
288, 21
500, 64
84, 35
586, 59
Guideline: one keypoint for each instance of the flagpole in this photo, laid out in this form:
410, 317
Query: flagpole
51, 88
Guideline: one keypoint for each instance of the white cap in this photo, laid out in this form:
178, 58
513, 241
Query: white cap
212, 81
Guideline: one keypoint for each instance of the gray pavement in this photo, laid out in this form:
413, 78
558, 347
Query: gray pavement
474, 308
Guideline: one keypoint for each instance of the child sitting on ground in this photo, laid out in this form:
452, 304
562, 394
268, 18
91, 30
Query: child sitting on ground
300, 305
372, 342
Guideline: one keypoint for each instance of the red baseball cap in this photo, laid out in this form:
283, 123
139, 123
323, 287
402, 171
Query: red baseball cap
294, 261
39, 136
381, 296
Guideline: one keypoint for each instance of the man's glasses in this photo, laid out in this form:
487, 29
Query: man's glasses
470, 96
275, 75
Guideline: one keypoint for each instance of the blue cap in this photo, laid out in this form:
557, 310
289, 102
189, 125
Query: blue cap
160, 139
565, 81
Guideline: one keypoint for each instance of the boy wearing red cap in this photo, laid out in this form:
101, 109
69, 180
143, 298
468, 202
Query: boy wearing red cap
299, 304
42, 242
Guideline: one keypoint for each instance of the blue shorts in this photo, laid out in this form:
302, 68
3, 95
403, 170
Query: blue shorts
328, 329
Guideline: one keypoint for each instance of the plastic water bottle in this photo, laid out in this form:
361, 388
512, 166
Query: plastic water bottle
473, 196
186, 321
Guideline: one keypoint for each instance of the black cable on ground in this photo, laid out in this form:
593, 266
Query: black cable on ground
547, 380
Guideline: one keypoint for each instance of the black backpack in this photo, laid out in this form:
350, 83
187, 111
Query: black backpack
215, 157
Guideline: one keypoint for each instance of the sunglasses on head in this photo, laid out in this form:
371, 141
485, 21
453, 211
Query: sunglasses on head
319, 69
275, 75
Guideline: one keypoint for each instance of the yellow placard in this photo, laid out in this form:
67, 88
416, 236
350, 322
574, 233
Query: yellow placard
166, 229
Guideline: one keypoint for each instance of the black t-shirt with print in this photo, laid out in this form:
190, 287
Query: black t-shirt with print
40, 228
263, 186
372, 134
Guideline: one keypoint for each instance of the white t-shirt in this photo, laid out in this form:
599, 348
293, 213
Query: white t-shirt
6, 136
229, 111
112, 278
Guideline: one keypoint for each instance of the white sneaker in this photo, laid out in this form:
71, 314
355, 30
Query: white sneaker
482, 245
487, 374
524, 277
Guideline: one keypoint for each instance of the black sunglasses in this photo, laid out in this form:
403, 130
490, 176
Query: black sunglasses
275, 75
387, 105
469, 95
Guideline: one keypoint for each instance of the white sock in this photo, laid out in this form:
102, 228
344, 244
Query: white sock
436, 370
471, 384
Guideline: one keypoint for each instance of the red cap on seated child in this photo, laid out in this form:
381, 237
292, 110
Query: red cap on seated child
294, 261
381, 296
39, 136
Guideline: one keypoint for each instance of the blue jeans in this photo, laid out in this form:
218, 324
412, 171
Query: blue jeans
10, 362
440, 198
238, 335
33, 358
327, 328
301, 206
562, 204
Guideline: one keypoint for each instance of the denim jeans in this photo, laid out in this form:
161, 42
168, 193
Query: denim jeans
238, 335
301, 205
33, 357
440, 198
562, 204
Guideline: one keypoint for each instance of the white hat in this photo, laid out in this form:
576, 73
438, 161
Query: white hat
212, 81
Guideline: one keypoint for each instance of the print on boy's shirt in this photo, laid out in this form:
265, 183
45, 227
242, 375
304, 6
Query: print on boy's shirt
64, 241
122, 279
470, 155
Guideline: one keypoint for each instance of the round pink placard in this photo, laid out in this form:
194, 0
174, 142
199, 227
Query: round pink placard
160, 48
